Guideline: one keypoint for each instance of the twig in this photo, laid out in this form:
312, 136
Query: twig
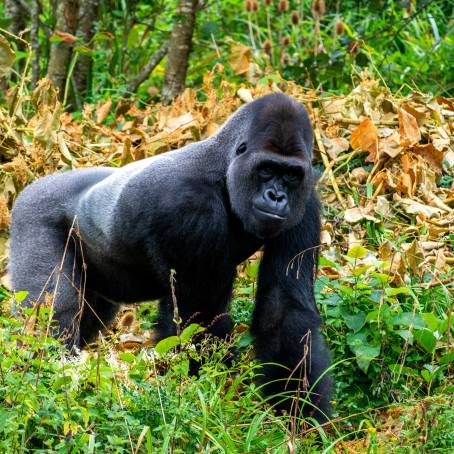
327, 165
355, 121
147, 69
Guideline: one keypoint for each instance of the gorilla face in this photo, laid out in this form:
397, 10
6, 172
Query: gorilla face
271, 176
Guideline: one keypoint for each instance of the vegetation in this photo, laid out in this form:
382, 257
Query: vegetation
376, 78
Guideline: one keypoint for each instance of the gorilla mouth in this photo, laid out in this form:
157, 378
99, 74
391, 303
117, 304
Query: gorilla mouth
269, 214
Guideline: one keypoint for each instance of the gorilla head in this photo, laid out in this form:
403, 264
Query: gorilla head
271, 176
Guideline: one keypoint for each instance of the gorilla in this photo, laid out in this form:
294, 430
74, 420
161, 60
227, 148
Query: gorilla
95, 238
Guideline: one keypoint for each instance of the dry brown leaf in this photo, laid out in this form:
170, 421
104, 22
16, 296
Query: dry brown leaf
365, 137
103, 111
359, 175
390, 145
245, 95
7, 57
413, 207
430, 154
335, 146
408, 128
66, 37
415, 256
356, 214
240, 58
182, 122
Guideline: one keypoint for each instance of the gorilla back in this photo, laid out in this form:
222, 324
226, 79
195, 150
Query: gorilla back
96, 238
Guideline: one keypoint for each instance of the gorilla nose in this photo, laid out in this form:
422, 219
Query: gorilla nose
276, 199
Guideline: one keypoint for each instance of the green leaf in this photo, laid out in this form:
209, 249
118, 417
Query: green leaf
253, 269
363, 350
426, 340
357, 252
408, 319
245, 340
396, 291
190, 331
383, 278
323, 261
357, 271
127, 357
426, 375
167, 344
431, 320
365, 353
355, 321
20, 296
406, 335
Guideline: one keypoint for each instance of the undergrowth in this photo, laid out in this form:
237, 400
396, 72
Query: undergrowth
392, 368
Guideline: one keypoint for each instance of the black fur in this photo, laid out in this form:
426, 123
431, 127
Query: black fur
96, 238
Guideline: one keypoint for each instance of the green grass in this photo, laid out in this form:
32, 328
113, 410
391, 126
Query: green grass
393, 389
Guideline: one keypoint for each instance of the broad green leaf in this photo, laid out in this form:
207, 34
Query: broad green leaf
426, 340
426, 375
245, 340
357, 252
383, 278
431, 320
447, 358
167, 344
408, 319
396, 291
127, 357
253, 269
358, 270
323, 261
20, 296
190, 331
355, 321
406, 335
365, 353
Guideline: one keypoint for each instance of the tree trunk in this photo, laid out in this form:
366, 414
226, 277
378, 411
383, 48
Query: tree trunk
179, 49
60, 52
34, 43
18, 15
87, 20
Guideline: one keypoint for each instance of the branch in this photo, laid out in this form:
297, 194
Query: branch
135, 83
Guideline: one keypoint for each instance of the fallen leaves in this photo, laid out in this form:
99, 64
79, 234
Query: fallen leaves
7, 57
365, 137
408, 129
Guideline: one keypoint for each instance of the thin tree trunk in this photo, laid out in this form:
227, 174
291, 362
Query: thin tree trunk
179, 49
87, 20
144, 74
60, 52
18, 15
34, 42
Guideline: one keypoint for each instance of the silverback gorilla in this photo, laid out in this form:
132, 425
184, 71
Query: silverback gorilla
201, 211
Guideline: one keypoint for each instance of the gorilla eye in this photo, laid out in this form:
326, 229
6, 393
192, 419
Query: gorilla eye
242, 148
292, 178
265, 174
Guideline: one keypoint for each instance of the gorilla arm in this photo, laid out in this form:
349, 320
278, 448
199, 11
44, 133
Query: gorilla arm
286, 321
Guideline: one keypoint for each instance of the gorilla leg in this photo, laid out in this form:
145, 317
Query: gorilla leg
206, 304
297, 377
56, 272
286, 320
98, 313
78, 314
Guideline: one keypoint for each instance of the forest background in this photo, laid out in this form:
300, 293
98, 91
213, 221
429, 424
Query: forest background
89, 83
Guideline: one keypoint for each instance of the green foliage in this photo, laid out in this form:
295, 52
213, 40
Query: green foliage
392, 334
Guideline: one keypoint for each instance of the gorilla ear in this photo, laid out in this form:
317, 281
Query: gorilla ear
241, 149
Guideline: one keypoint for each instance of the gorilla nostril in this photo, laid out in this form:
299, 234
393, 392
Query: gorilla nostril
270, 195
279, 197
